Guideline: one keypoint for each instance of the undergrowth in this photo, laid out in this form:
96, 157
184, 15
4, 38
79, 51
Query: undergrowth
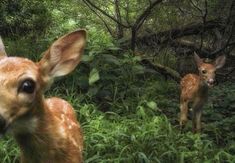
130, 114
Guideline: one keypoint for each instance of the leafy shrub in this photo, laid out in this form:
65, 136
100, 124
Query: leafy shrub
22, 17
129, 113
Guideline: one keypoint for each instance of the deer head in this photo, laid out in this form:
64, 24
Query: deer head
207, 70
23, 81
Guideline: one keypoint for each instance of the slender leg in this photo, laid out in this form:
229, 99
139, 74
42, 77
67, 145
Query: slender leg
183, 113
198, 121
197, 112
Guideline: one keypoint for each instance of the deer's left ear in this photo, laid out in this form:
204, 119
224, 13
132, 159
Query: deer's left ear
2, 49
197, 59
63, 55
220, 61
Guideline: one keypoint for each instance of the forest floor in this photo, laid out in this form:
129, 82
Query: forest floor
130, 114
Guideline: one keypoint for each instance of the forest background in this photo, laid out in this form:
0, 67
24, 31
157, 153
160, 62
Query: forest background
126, 88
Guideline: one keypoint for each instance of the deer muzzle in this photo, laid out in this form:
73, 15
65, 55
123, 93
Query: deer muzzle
210, 82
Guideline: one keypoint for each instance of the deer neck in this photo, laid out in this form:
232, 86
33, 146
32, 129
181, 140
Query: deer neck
37, 141
203, 88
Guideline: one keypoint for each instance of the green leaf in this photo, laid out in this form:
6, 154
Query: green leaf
111, 59
113, 48
138, 69
87, 58
152, 105
94, 76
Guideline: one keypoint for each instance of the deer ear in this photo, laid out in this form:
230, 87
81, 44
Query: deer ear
63, 55
220, 61
197, 59
2, 49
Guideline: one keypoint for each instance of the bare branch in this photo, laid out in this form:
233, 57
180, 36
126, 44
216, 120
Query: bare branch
187, 12
229, 29
191, 46
127, 9
145, 14
169, 36
167, 71
230, 12
228, 43
100, 17
118, 17
88, 2
195, 6
204, 16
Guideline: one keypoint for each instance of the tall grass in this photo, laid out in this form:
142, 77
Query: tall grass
130, 114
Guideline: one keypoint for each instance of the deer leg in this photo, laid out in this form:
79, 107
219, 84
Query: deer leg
183, 113
197, 112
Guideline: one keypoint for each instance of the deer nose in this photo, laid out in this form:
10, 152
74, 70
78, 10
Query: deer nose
211, 81
2, 124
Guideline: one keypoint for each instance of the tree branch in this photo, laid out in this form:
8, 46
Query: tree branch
88, 2
162, 69
228, 43
169, 35
100, 17
145, 14
191, 46
118, 17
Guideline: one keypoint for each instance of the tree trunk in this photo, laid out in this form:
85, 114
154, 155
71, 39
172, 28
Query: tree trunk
119, 27
133, 39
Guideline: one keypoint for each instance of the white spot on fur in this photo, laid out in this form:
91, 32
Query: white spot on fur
74, 124
65, 107
62, 117
62, 131
74, 142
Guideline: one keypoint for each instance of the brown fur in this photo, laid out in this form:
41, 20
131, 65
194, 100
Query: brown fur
194, 88
46, 130
58, 137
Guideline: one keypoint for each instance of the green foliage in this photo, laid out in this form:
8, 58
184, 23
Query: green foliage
20, 17
128, 113
20, 47
94, 76
9, 153
143, 127
139, 122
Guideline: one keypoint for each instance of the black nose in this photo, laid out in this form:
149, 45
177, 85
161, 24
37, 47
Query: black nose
2, 124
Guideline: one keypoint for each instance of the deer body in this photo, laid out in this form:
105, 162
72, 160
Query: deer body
55, 135
194, 89
46, 130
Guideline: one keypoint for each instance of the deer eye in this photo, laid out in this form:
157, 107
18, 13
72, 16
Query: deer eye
27, 86
204, 71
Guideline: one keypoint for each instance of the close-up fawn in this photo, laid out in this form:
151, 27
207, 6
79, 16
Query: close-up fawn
46, 129
194, 88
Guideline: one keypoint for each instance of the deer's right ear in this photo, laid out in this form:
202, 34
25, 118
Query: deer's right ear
220, 61
197, 59
63, 56
2, 48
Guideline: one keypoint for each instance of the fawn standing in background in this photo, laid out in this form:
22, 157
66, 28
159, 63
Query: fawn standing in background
194, 88
46, 130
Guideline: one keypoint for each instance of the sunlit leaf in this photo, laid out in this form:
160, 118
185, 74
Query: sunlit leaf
94, 76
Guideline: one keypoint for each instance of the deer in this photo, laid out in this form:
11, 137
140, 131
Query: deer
45, 129
194, 89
